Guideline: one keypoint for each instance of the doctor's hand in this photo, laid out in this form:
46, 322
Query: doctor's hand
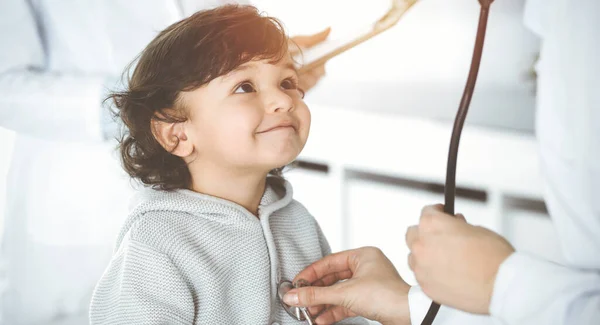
373, 288
311, 77
455, 263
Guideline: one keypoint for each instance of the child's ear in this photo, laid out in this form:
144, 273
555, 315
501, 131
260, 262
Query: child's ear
172, 137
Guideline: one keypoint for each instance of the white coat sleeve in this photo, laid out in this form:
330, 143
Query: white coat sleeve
568, 127
33, 101
529, 290
419, 303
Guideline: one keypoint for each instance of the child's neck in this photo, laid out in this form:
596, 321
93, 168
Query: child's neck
244, 189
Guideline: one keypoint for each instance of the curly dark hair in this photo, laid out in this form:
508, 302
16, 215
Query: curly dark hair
183, 57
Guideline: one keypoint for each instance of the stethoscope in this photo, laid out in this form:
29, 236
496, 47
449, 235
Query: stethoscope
459, 121
302, 314
297, 313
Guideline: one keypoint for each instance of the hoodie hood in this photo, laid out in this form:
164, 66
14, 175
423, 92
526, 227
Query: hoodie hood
278, 194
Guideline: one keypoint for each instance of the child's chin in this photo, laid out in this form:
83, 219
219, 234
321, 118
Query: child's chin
282, 160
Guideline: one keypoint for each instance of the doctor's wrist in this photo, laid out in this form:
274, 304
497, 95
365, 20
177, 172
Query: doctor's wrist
398, 313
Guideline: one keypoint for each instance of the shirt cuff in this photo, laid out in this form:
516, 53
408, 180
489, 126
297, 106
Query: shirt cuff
419, 303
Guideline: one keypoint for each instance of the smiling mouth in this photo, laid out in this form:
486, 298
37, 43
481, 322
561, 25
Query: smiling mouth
278, 128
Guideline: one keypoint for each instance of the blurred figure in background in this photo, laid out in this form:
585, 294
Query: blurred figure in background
58, 61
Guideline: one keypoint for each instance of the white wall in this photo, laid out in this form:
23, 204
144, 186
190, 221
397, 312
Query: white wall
6, 148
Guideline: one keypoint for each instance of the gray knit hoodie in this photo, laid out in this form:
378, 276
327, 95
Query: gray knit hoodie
188, 258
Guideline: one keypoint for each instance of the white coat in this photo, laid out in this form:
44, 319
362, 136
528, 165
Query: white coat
530, 290
66, 192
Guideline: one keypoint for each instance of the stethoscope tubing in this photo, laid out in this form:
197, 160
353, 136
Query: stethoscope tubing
459, 121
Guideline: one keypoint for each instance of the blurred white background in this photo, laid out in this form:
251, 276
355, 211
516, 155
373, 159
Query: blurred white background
382, 118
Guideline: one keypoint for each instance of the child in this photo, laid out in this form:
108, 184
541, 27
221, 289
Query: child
213, 112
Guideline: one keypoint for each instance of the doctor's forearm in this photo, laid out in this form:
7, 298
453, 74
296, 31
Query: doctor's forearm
52, 106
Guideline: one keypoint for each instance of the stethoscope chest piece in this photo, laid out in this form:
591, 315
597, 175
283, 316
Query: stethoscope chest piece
297, 313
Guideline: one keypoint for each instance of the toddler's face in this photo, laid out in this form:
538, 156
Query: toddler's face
251, 119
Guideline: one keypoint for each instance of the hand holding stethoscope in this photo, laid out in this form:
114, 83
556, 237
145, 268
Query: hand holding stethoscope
387, 21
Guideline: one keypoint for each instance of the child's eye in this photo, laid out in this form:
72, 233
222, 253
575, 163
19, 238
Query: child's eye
289, 83
245, 87
292, 84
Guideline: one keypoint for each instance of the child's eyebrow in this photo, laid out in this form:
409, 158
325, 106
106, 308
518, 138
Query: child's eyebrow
238, 69
287, 66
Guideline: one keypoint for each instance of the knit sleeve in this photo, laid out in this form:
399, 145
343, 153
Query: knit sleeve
141, 286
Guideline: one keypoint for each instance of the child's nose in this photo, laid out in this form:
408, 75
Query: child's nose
278, 100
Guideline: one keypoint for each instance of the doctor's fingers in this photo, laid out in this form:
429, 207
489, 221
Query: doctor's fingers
310, 78
438, 209
345, 261
306, 41
411, 236
411, 262
415, 245
333, 315
327, 281
432, 209
431, 217
434, 219
332, 278
315, 296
